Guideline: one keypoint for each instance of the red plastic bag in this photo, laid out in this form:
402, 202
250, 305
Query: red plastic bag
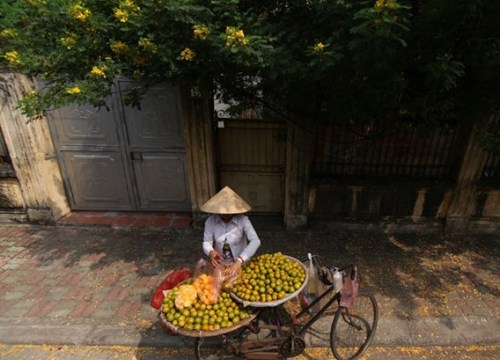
349, 291
171, 280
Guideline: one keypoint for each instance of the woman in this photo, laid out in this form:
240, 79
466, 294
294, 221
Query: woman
229, 237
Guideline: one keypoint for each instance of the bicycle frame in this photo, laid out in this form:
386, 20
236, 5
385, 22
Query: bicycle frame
269, 348
311, 321
257, 349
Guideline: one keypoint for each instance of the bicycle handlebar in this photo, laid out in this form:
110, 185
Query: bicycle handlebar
346, 267
324, 276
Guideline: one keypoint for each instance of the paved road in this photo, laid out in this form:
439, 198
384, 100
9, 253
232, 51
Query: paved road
50, 352
85, 286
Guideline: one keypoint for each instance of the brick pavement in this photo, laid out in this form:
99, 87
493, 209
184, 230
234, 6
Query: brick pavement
52, 277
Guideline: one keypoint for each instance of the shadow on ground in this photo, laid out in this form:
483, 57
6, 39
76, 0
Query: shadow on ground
410, 274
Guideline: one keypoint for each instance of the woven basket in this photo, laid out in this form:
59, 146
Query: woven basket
274, 303
169, 328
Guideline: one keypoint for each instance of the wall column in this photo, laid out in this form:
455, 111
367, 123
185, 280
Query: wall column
463, 199
200, 153
32, 153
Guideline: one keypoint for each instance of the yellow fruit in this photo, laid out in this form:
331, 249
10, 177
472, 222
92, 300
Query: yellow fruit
186, 295
269, 274
206, 288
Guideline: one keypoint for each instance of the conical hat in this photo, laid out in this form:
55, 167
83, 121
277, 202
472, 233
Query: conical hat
226, 201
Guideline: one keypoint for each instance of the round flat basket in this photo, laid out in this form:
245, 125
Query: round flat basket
169, 328
279, 301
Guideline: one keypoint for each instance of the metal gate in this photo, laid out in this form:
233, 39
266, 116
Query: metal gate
251, 159
124, 159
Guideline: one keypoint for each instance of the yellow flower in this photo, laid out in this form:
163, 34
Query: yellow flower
79, 12
73, 90
235, 37
379, 4
99, 71
130, 4
188, 54
68, 41
121, 15
389, 4
125, 9
8, 33
319, 47
148, 45
201, 32
239, 34
12, 57
119, 47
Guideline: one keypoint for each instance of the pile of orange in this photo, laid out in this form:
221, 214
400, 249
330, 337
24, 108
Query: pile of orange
200, 316
207, 289
269, 277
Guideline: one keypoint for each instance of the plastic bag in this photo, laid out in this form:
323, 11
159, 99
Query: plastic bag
314, 287
350, 290
229, 280
172, 279
208, 281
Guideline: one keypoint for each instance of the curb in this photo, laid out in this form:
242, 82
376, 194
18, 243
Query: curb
427, 331
391, 331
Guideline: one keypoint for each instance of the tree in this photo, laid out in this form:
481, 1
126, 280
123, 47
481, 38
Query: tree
425, 63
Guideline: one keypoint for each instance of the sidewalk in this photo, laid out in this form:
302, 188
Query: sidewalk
92, 284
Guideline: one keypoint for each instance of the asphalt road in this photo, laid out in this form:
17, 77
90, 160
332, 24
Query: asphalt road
65, 352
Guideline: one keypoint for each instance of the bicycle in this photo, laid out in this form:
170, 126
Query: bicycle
274, 334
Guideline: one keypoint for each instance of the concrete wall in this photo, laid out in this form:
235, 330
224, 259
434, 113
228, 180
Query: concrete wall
10, 195
32, 154
372, 201
488, 203
405, 204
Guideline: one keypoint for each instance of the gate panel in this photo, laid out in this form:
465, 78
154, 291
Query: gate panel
84, 126
156, 147
158, 124
263, 191
97, 180
252, 159
90, 156
161, 184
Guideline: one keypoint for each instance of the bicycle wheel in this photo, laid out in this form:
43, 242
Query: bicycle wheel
353, 329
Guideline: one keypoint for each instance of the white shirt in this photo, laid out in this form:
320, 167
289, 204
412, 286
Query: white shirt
239, 234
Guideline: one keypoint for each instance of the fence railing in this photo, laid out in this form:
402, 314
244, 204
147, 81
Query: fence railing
400, 151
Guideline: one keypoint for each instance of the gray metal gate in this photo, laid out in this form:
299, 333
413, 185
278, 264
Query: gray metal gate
124, 159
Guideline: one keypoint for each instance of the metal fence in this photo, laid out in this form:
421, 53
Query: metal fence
400, 151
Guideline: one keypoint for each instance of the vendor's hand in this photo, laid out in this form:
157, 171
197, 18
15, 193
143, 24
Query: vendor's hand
234, 269
215, 257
